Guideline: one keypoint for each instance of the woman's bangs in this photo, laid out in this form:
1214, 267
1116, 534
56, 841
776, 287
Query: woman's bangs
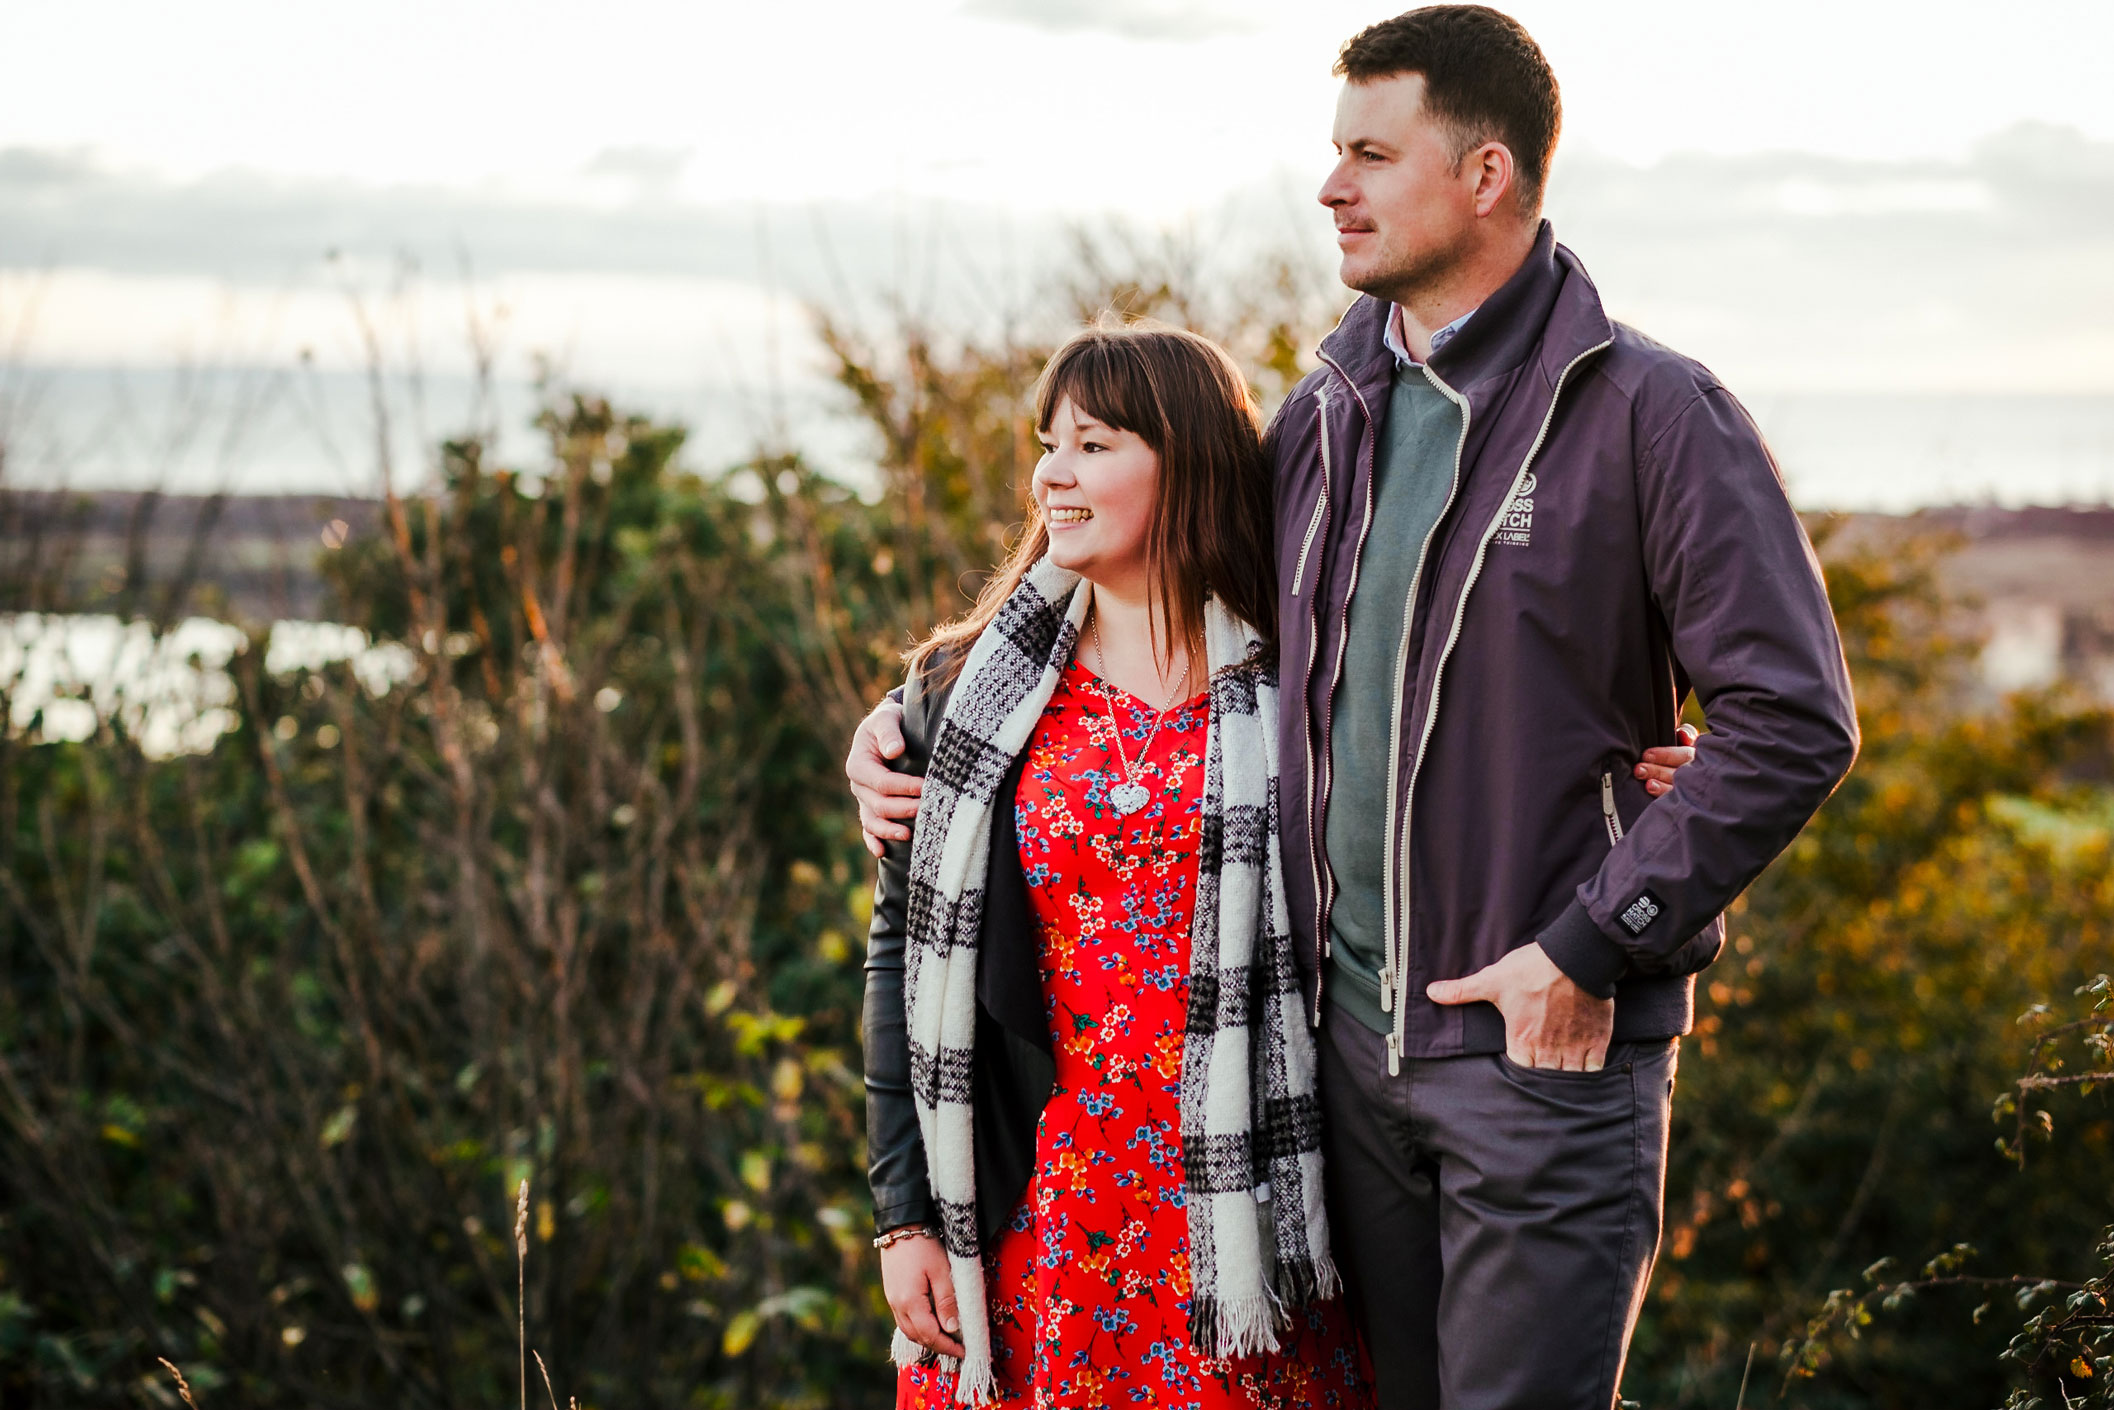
1103, 380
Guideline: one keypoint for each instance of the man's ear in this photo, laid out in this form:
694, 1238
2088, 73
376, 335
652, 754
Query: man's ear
1495, 174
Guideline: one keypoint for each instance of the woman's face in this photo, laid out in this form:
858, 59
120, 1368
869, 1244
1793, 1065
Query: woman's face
1096, 487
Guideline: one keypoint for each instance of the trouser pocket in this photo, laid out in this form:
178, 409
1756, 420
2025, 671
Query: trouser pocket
1549, 1206
1621, 1057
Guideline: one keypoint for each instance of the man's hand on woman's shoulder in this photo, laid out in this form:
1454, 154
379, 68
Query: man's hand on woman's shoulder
887, 799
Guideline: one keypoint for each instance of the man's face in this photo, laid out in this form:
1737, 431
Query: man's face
1405, 204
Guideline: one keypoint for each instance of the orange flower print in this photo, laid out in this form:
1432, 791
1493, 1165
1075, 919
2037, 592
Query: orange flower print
1089, 1285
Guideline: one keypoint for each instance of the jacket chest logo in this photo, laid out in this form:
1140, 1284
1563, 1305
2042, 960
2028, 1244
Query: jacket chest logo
1517, 527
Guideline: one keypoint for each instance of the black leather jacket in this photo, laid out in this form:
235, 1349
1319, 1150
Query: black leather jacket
1014, 1068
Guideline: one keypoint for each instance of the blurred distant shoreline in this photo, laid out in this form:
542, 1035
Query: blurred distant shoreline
252, 431
2035, 582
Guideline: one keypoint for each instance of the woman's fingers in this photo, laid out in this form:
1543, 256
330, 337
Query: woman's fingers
1656, 773
943, 1303
922, 1325
918, 1323
1659, 764
1658, 778
925, 1307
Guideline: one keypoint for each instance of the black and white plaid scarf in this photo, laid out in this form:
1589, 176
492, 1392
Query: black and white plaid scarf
1251, 1121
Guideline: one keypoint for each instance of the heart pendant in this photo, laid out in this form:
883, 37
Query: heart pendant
1129, 797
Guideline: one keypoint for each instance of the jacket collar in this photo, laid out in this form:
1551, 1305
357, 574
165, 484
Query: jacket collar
1547, 313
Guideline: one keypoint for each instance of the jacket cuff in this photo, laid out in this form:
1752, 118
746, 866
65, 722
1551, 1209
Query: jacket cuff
912, 1209
1584, 953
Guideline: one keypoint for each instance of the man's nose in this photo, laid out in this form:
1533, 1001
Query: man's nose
1334, 192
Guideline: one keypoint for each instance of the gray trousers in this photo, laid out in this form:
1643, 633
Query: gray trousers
1495, 1224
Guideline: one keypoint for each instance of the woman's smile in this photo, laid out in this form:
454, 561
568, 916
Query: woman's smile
1104, 542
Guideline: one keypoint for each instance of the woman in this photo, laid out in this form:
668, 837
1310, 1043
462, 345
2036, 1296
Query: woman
1095, 1151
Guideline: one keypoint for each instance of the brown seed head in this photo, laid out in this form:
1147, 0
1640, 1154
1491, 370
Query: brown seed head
183, 1387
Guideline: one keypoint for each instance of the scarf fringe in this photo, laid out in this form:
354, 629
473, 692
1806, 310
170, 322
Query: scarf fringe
1220, 1328
975, 1379
976, 1382
1328, 1284
1248, 1326
1303, 1282
907, 1353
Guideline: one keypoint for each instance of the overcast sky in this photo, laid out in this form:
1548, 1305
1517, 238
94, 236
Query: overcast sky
1849, 195
1051, 103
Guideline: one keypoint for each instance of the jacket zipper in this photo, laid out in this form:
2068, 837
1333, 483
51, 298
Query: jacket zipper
1453, 636
1306, 685
1328, 713
1394, 931
1299, 573
1607, 808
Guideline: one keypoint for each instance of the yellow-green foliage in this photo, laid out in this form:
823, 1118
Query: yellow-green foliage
1834, 1104
283, 1025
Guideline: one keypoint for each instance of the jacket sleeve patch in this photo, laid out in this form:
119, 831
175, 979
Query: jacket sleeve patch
1638, 916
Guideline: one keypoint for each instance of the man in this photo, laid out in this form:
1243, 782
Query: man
1512, 537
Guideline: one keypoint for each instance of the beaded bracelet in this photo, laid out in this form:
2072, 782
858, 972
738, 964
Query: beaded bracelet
907, 1231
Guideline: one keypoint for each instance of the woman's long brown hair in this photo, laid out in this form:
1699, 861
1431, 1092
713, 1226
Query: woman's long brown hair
1209, 535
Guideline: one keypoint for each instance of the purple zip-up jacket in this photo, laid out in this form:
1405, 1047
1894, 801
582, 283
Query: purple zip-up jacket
1617, 534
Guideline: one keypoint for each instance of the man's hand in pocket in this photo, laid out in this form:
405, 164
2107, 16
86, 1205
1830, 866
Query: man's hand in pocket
1549, 1020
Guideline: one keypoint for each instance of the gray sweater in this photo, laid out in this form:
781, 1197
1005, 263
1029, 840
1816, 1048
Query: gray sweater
1413, 469
1619, 537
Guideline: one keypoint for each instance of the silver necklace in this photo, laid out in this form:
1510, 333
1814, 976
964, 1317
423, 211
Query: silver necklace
1130, 795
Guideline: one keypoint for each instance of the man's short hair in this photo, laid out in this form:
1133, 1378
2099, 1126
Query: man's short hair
1484, 76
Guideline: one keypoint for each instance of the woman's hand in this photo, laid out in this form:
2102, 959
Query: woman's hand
1659, 765
920, 1291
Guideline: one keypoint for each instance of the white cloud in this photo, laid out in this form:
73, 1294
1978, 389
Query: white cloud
1783, 269
1792, 270
643, 170
1130, 19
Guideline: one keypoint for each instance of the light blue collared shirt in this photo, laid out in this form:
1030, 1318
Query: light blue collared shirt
1399, 345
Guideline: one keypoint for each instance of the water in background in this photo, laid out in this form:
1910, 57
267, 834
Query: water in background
267, 433
263, 432
62, 675
1898, 453
300, 431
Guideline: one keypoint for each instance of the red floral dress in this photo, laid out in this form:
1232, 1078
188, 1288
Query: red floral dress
1088, 1287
